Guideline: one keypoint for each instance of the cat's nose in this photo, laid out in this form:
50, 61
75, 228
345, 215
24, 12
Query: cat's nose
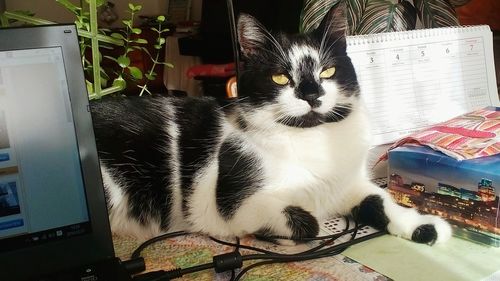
310, 92
312, 99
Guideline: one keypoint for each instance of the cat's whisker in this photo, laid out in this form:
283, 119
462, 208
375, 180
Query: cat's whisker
273, 40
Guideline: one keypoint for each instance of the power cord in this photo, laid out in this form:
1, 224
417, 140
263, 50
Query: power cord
234, 260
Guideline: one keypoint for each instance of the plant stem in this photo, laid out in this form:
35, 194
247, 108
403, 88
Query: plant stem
155, 62
96, 67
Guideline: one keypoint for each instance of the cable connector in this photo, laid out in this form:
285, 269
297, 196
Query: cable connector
135, 265
227, 262
148, 276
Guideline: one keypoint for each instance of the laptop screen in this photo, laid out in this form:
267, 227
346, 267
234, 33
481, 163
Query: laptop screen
42, 196
53, 213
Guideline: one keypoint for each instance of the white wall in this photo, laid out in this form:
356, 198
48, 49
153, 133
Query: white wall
50, 10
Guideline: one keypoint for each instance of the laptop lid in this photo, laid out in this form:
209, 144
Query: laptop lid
52, 207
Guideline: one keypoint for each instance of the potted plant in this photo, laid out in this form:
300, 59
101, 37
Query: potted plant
94, 39
376, 16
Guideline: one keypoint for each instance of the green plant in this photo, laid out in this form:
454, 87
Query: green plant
375, 16
94, 39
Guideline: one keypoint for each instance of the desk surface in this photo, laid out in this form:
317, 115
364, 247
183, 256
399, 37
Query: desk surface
396, 258
455, 260
190, 250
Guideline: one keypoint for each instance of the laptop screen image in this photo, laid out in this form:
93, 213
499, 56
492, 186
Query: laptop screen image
52, 208
42, 196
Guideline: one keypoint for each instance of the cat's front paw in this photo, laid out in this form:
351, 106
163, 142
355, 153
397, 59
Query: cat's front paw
429, 230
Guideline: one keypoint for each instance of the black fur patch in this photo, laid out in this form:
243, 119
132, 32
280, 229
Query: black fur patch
265, 234
199, 122
130, 147
338, 113
313, 119
238, 178
425, 233
301, 222
371, 212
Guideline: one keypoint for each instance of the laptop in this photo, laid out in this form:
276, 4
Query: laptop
53, 217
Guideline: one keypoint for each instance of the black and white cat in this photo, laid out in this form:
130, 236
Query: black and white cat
291, 152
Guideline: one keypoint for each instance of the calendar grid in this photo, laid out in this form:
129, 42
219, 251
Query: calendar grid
415, 80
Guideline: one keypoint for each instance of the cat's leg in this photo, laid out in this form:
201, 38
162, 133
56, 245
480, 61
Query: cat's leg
268, 217
374, 206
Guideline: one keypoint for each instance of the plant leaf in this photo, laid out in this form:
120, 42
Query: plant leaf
118, 36
123, 61
90, 86
436, 13
127, 23
151, 76
161, 41
355, 11
313, 12
135, 72
120, 82
136, 30
111, 58
169, 65
140, 41
160, 18
384, 16
458, 3
70, 6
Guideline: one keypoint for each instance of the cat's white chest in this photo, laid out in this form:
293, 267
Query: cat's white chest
311, 168
297, 159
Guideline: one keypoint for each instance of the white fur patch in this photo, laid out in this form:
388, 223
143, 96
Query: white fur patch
120, 219
290, 105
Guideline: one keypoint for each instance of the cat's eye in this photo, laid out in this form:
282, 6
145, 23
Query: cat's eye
280, 79
327, 73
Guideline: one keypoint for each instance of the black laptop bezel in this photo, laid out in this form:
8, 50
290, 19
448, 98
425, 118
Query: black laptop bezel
97, 245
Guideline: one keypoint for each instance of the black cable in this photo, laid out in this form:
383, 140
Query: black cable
331, 238
137, 252
331, 251
236, 249
233, 260
234, 37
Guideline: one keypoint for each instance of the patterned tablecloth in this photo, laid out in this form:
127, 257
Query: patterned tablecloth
190, 250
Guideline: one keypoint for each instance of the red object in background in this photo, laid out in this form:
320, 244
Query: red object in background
480, 12
211, 70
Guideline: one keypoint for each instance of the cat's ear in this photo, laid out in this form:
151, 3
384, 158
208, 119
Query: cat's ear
333, 27
252, 36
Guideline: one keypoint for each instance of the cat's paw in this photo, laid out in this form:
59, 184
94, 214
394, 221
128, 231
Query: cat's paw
429, 230
435, 230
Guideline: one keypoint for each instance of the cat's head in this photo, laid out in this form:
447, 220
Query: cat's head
301, 80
